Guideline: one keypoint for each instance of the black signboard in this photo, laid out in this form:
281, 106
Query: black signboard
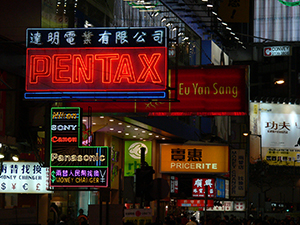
72, 164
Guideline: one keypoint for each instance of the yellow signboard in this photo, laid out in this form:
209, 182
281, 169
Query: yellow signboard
194, 158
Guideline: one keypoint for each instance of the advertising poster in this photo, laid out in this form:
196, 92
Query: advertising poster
279, 128
132, 156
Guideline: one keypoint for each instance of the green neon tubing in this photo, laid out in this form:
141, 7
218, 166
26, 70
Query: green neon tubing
289, 3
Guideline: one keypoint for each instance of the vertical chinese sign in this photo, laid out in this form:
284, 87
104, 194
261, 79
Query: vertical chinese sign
238, 173
73, 165
96, 63
199, 187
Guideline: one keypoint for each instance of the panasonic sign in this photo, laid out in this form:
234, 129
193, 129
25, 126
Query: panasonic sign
277, 51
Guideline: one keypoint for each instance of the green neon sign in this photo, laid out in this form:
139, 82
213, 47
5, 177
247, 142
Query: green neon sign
65, 142
71, 164
289, 3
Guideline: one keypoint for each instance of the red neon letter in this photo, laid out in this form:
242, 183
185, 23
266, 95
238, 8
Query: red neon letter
86, 70
39, 67
149, 68
106, 65
125, 70
58, 68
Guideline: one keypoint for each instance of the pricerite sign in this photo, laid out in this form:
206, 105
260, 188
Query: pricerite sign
277, 51
24, 178
194, 158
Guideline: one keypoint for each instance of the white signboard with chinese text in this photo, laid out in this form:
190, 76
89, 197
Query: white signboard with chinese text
24, 177
280, 130
277, 126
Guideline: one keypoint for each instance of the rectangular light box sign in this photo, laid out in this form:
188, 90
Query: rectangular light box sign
97, 37
96, 63
90, 177
96, 69
24, 178
88, 165
178, 158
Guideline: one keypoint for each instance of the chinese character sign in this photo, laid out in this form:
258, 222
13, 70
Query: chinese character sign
280, 130
199, 185
72, 164
237, 173
24, 177
89, 63
194, 159
97, 37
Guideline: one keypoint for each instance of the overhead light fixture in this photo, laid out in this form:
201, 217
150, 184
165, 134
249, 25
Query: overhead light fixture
214, 13
210, 5
163, 19
169, 24
279, 81
15, 158
2, 155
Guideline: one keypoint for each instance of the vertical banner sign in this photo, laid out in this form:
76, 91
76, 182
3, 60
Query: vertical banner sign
73, 165
132, 155
173, 185
199, 187
237, 176
220, 188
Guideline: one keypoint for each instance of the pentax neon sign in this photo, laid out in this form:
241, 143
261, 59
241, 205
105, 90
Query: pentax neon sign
96, 69
96, 63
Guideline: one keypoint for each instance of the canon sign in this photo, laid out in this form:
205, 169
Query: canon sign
277, 51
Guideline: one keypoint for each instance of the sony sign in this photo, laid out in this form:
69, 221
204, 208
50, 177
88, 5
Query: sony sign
277, 51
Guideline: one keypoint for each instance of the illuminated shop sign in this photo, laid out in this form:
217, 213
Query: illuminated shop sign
199, 186
72, 164
194, 159
96, 63
277, 51
279, 128
220, 188
132, 156
200, 91
194, 203
24, 177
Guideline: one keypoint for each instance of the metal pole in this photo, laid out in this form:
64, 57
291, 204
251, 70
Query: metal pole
100, 207
205, 202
